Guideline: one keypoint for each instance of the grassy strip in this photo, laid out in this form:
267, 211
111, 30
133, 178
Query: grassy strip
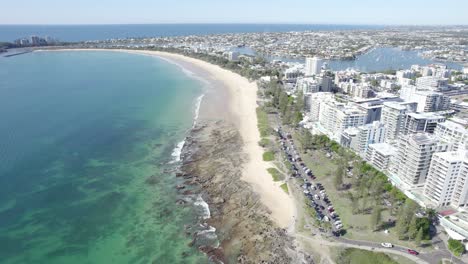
353, 255
262, 119
284, 186
275, 174
264, 142
268, 156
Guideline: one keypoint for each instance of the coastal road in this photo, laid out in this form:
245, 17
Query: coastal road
369, 247
424, 257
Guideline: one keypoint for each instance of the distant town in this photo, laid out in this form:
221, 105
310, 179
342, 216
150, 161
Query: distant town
444, 44
28, 42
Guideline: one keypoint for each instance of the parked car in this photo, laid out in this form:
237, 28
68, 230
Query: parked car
413, 252
387, 245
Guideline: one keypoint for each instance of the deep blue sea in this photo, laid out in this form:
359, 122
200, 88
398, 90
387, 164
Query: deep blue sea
102, 32
80, 135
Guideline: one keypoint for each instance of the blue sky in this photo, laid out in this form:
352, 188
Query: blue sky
234, 11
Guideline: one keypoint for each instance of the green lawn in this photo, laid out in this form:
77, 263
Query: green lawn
268, 156
284, 186
263, 125
276, 174
358, 256
400, 259
264, 142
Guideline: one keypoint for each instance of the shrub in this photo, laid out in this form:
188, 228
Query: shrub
275, 174
456, 247
268, 156
284, 186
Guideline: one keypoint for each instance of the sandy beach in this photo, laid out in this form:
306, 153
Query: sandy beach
242, 103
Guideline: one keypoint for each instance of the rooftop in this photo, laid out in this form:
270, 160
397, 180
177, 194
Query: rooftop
425, 115
383, 148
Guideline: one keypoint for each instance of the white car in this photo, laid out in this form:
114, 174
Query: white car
387, 245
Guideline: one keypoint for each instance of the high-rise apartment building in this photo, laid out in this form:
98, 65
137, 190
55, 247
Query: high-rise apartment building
447, 180
313, 66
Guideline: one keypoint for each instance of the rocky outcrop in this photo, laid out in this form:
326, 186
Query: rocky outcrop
213, 158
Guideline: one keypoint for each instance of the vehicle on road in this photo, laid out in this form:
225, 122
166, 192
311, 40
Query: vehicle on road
413, 252
387, 245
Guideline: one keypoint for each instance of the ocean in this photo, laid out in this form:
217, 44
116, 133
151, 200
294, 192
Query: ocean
75, 33
88, 142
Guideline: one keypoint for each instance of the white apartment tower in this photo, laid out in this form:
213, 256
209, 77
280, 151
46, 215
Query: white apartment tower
336, 117
315, 100
313, 66
422, 122
447, 180
380, 155
413, 157
453, 133
427, 99
370, 134
393, 116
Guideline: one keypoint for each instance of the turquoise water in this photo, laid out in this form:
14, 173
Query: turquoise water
80, 133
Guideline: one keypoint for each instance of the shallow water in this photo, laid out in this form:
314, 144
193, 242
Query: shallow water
80, 134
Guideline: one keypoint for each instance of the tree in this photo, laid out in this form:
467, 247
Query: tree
283, 103
456, 247
300, 104
376, 217
419, 236
306, 139
338, 180
413, 227
431, 214
401, 225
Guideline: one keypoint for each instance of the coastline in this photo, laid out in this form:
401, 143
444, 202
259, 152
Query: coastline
239, 95
221, 154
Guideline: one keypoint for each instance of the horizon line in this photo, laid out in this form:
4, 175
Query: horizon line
238, 23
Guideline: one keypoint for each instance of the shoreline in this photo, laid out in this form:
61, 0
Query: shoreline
240, 95
253, 217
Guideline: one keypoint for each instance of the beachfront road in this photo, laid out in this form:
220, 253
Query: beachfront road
433, 257
429, 257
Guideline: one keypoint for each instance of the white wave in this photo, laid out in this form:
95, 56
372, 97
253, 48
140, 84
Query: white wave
204, 208
176, 153
209, 230
197, 109
186, 71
